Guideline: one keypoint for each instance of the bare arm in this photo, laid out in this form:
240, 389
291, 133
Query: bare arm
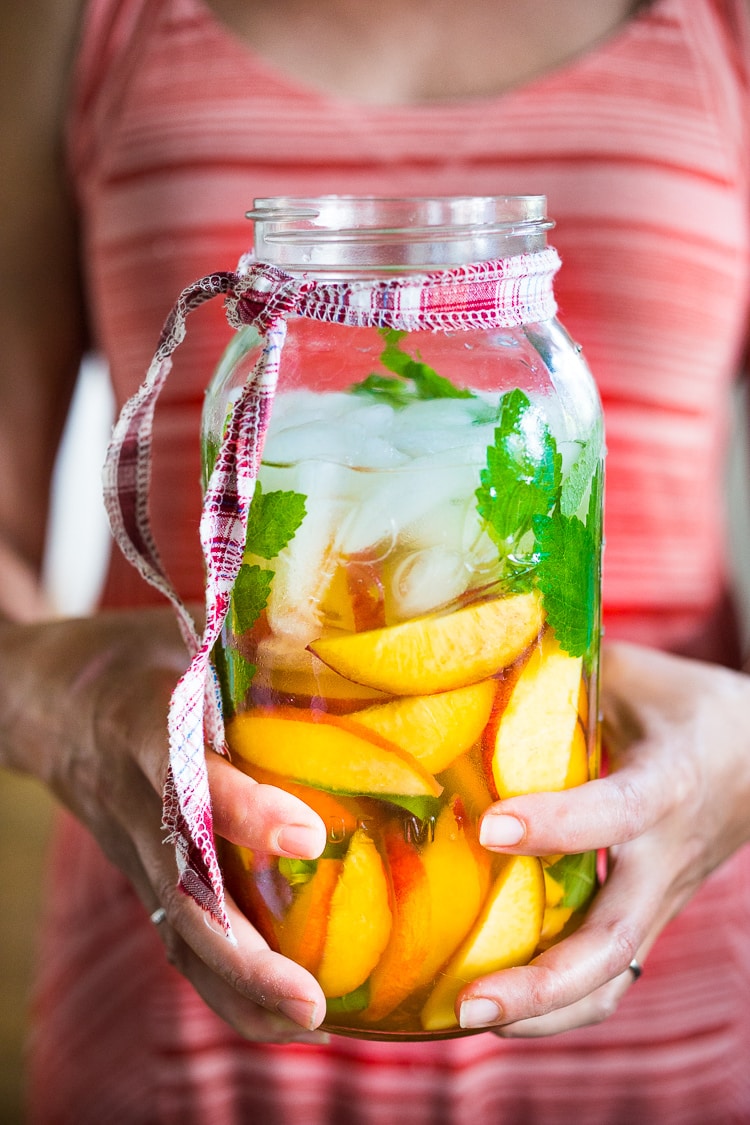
41, 308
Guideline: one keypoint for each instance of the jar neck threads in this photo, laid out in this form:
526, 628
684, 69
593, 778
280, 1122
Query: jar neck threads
353, 235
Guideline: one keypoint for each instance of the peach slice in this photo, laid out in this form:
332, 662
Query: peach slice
359, 922
466, 778
536, 743
436, 729
326, 752
437, 653
555, 920
458, 874
398, 971
302, 934
506, 934
355, 599
287, 669
259, 889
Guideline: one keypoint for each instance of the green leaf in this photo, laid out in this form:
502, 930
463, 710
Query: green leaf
385, 388
413, 380
297, 871
273, 520
240, 674
576, 874
427, 382
252, 588
355, 1001
581, 473
522, 477
566, 576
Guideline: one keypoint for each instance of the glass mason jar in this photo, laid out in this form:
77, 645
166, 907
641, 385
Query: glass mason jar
414, 631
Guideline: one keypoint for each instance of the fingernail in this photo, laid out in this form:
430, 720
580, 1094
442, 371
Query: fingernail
479, 1013
302, 1012
498, 830
300, 840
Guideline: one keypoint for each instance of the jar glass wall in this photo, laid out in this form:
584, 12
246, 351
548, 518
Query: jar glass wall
414, 630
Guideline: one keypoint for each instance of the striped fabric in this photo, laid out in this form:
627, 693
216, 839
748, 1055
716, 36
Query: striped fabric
641, 147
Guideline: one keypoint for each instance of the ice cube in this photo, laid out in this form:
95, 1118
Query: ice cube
427, 580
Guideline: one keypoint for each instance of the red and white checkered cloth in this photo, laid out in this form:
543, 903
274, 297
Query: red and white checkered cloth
501, 293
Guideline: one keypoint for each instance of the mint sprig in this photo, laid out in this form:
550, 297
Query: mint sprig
576, 874
411, 380
522, 478
273, 520
528, 509
566, 576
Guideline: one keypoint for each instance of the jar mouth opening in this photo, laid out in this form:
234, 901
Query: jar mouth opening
388, 233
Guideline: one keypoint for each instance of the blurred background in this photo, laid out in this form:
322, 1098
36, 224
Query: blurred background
77, 555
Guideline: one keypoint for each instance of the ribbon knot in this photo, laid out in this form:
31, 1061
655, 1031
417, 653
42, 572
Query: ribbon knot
261, 295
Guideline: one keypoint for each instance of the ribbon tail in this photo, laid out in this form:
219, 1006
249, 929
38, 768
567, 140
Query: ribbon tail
127, 468
195, 710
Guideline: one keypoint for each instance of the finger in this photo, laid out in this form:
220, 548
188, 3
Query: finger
262, 817
595, 815
592, 1009
259, 993
572, 979
245, 967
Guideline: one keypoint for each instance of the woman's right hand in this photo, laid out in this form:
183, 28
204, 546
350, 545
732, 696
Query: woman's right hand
83, 707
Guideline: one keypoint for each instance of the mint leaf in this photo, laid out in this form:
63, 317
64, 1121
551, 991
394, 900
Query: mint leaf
297, 871
240, 674
355, 1001
427, 382
385, 388
249, 596
522, 477
566, 575
580, 476
576, 874
272, 521
411, 381
235, 674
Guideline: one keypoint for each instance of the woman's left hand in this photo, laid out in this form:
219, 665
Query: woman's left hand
675, 805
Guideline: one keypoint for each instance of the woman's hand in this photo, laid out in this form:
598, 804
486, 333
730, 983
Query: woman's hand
674, 806
83, 706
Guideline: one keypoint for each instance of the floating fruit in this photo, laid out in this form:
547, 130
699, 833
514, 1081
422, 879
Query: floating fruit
327, 752
436, 729
359, 923
438, 653
506, 934
302, 934
537, 742
458, 875
466, 778
398, 971
285, 669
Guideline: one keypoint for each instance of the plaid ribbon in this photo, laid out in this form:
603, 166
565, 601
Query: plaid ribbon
502, 293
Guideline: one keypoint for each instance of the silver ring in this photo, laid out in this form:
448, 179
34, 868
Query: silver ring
158, 916
636, 969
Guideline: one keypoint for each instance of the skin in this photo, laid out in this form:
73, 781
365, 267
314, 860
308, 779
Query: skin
83, 703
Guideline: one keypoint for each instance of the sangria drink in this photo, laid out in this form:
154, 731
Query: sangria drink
414, 635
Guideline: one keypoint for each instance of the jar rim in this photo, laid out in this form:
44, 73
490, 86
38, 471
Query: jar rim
389, 233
